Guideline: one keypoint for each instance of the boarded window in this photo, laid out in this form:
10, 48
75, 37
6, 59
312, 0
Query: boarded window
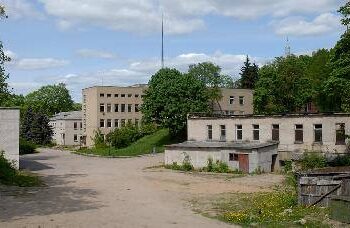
222, 132
109, 108
276, 132
210, 132
256, 132
109, 123
239, 132
318, 132
340, 134
299, 133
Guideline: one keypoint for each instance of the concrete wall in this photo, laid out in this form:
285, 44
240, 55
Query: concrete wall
9, 134
235, 108
66, 128
197, 131
199, 157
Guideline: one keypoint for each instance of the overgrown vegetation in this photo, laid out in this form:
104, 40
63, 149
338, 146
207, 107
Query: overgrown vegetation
10, 176
26, 147
145, 145
312, 161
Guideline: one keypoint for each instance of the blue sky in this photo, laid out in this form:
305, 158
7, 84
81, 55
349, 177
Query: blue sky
86, 42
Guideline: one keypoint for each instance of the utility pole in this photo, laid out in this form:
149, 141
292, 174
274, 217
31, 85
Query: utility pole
287, 48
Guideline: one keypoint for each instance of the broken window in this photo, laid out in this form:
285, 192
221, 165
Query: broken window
340, 134
299, 133
256, 131
318, 132
275, 132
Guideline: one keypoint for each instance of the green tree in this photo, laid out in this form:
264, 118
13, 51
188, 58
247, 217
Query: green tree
345, 11
249, 75
170, 96
210, 75
50, 99
35, 128
282, 86
4, 88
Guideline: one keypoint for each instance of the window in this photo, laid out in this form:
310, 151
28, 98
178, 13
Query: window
136, 95
318, 133
75, 125
102, 95
340, 134
239, 132
137, 122
116, 95
129, 121
122, 108
241, 100
256, 132
102, 107
232, 99
109, 108
109, 95
137, 108
102, 123
210, 132
129, 95
122, 123
129, 107
222, 133
81, 125
75, 138
233, 157
275, 132
299, 133
116, 123
116, 108
122, 95
109, 123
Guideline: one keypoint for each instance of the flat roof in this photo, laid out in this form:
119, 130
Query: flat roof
126, 87
74, 115
222, 145
247, 116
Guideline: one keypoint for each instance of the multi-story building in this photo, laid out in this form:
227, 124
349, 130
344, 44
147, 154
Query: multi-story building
109, 107
67, 128
9, 134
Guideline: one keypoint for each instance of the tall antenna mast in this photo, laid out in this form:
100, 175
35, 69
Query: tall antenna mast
162, 41
287, 48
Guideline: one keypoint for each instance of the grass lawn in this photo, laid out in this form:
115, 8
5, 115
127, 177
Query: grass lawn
142, 146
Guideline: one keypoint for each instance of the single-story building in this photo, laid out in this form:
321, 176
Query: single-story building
9, 134
247, 157
292, 134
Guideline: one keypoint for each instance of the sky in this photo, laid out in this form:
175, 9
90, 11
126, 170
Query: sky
85, 43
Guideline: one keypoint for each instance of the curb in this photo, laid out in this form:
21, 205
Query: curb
111, 156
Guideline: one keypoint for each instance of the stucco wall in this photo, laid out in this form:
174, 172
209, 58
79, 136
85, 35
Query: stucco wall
9, 134
197, 131
66, 127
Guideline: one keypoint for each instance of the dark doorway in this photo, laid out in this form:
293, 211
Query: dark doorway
273, 163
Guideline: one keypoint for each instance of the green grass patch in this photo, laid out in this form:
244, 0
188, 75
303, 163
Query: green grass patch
11, 176
142, 146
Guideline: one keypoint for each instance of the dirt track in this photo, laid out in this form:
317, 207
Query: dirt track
98, 192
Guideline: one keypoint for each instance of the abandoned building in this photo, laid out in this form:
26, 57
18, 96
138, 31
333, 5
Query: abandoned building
230, 136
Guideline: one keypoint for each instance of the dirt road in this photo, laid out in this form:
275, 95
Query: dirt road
99, 192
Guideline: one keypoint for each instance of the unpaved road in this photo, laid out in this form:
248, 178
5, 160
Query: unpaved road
99, 192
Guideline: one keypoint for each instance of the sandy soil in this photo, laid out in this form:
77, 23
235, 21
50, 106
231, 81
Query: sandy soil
99, 192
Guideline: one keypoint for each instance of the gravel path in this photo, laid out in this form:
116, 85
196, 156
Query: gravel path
99, 192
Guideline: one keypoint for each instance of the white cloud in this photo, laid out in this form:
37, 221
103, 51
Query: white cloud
181, 16
39, 63
18, 9
298, 26
89, 53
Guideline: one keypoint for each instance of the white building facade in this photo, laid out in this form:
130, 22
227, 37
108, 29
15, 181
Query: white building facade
67, 128
9, 134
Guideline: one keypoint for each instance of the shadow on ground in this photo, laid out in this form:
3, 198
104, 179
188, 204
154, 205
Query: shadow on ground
58, 197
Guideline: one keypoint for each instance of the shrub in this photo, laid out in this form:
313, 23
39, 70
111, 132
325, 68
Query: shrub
10, 176
186, 164
217, 167
26, 147
99, 140
287, 166
312, 161
340, 160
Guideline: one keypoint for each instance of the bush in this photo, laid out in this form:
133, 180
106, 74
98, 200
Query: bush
217, 167
9, 175
186, 164
99, 140
26, 147
312, 161
340, 160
